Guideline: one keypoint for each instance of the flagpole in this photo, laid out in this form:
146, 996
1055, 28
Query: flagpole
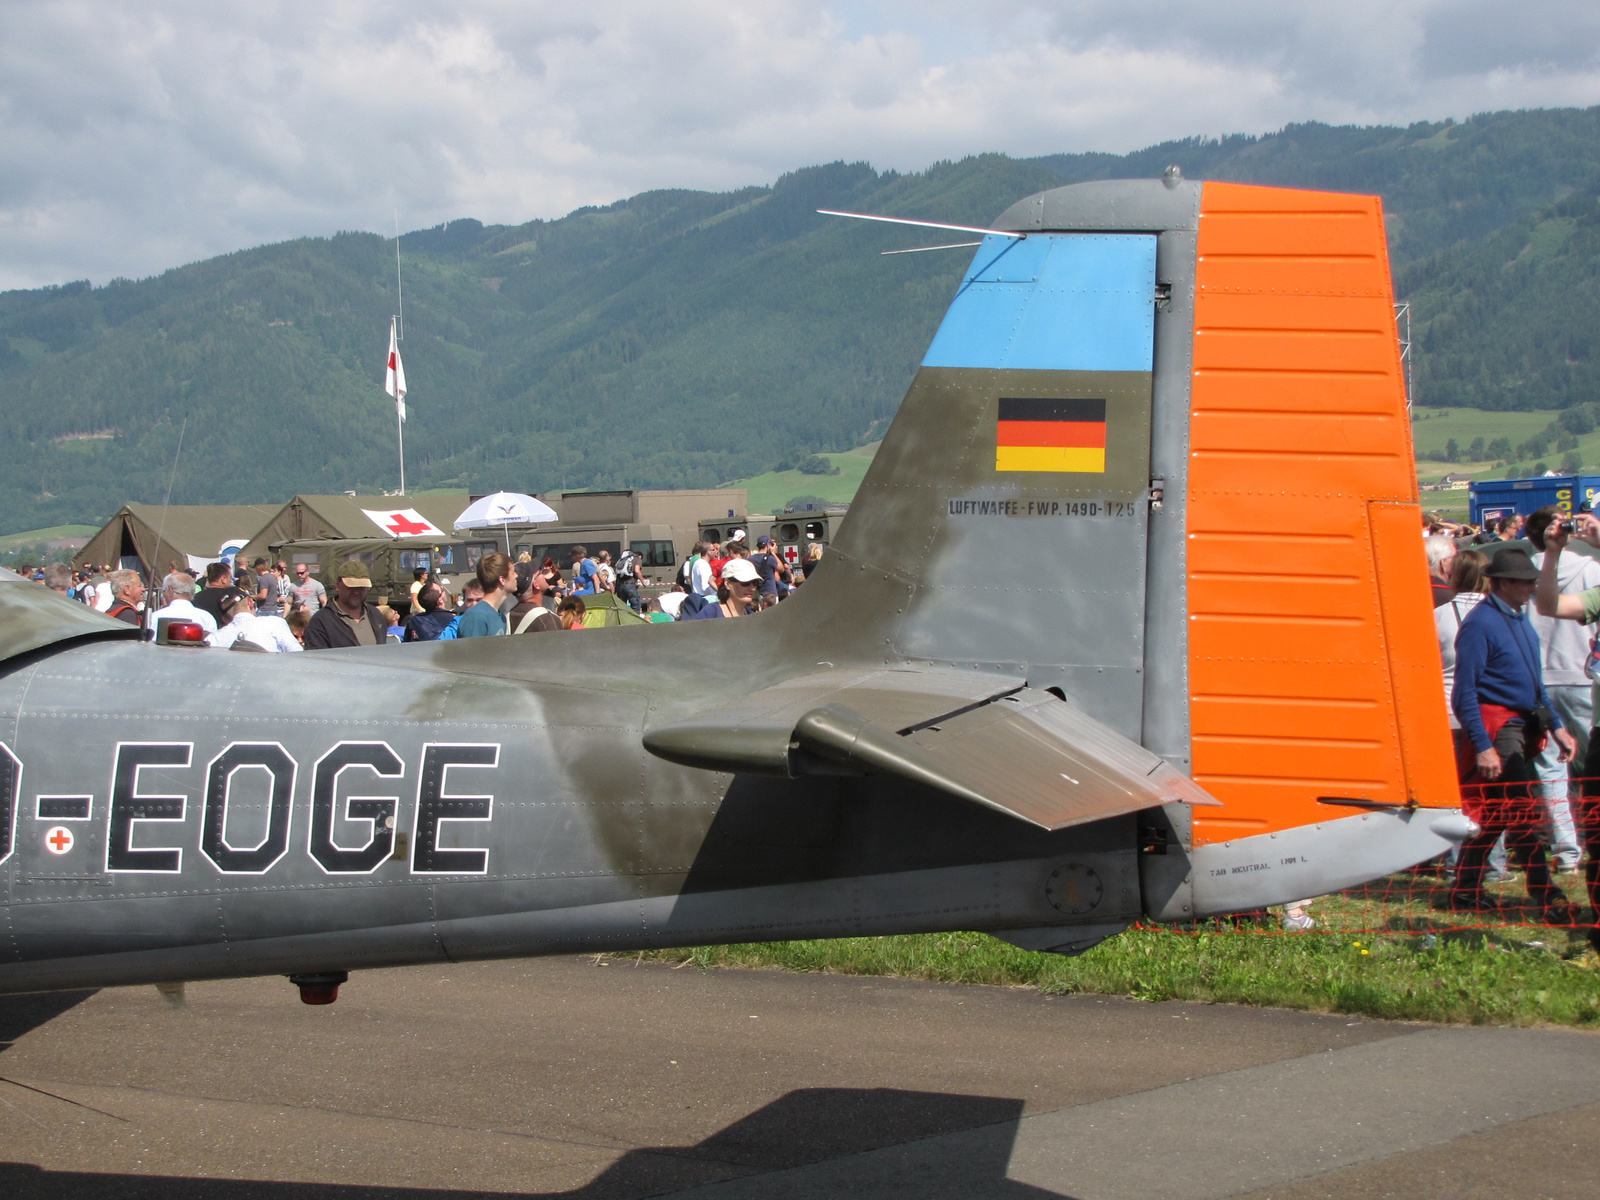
400, 333
400, 437
399, 288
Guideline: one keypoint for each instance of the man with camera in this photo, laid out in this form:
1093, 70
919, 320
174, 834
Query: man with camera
1565, 604
1506, 718
1567, 647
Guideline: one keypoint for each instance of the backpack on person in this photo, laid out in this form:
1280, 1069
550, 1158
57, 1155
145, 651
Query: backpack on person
766, 564
686, 573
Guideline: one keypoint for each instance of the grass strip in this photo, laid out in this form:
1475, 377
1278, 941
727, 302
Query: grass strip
1475, 977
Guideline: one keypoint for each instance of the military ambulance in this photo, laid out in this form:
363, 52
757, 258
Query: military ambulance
793, 530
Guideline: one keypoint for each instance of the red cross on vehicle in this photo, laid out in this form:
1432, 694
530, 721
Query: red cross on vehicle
58, 840
791, 554
400, 525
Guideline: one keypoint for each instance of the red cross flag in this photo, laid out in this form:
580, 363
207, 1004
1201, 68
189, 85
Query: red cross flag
404, 522
394, 378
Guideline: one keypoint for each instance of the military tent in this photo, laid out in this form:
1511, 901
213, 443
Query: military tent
149, 537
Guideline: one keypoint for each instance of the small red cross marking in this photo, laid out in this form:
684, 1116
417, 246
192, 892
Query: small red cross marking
400, 524
58, 840
791, 555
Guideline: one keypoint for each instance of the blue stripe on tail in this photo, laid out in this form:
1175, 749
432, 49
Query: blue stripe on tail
1053, 301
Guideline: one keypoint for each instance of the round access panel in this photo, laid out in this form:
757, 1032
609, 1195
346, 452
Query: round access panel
1074, 889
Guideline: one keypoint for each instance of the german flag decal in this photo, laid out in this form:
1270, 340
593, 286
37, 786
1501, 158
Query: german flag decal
1051, 435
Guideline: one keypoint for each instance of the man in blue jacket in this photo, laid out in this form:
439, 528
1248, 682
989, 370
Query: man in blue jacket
1505, 715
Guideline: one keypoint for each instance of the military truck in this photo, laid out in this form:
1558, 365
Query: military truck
722, 529
391, 562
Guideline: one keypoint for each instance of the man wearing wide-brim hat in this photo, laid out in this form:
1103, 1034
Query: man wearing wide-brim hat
349, 620
1505, 717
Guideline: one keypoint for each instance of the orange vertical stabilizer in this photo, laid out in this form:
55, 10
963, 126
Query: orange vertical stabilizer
1313, 667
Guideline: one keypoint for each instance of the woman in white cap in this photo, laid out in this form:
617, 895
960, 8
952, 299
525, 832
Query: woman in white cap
735, 594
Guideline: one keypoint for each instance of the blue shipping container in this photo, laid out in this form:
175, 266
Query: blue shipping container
1496, 498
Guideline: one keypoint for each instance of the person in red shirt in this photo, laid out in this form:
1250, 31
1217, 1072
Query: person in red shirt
716, 560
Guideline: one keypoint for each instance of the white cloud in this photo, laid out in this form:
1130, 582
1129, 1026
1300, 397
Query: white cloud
135, 138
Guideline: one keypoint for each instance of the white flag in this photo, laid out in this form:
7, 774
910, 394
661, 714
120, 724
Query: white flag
394, 379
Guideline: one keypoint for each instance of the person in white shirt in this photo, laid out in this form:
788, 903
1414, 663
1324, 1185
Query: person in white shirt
268, 633
176, 590
1469, 583
701, 581
671, 602
1566, 646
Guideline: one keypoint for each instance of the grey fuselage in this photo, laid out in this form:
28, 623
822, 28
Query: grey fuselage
526, 816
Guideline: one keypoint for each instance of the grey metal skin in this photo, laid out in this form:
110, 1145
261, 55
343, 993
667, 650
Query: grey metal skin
638, 788
1171, 209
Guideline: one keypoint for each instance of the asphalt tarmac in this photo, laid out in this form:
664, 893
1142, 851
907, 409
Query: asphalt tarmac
567, 1077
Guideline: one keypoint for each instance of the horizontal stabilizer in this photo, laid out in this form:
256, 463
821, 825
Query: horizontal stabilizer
985, 739
33, 617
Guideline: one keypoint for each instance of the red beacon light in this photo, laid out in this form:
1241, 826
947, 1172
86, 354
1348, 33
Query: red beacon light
320, 987
174, 631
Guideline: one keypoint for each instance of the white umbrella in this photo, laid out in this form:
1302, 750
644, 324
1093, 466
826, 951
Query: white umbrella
505, 509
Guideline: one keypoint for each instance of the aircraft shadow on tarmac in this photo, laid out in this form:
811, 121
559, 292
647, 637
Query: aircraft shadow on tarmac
22, 1014
806, 1126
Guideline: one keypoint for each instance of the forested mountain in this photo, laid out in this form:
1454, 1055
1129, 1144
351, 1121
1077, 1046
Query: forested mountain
1511, 320
686, 338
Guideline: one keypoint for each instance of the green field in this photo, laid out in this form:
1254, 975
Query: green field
1431, 428
1420, 966
770, 492
28, 538
1469, 978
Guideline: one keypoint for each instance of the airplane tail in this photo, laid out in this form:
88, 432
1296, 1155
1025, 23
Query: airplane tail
1157, 461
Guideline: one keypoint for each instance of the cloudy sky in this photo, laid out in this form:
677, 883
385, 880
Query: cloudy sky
139, 137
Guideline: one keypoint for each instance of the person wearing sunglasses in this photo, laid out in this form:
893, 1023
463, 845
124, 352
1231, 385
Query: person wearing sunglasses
736, 593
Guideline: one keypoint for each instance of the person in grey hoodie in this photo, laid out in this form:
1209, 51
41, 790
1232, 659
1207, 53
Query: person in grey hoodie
1566, 646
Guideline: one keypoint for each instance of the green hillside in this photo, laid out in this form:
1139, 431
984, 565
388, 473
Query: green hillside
1441, 183
678, 339
770, 491
688, 339
12, 541
1509, 321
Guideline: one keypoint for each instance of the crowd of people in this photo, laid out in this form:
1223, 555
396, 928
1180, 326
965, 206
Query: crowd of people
1500, 529
1517, 644
266, 607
